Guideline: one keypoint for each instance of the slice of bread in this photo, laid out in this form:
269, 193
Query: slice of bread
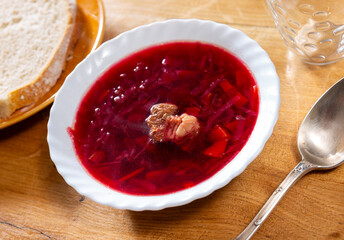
34, 42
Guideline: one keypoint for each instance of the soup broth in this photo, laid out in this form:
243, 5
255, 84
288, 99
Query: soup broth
111, 136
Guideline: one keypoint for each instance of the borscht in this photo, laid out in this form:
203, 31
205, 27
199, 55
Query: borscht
165, 118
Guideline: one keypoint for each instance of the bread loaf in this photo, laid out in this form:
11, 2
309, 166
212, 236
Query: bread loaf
34, 41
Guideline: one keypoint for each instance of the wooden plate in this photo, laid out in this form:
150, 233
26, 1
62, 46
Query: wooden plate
91, 19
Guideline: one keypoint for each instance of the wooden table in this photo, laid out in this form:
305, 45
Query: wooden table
36, 203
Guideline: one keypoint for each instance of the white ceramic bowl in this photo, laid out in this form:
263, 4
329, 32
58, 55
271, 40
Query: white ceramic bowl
78, 82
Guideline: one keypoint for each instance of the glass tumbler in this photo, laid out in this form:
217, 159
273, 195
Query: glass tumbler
313, 29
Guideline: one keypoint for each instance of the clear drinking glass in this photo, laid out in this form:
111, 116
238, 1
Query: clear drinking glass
313, 29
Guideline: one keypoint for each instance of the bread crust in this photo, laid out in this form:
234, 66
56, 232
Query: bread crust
46, 79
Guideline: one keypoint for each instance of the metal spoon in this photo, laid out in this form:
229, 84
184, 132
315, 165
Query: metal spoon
321, 144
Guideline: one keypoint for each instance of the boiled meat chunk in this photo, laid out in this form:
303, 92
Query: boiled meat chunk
165, 125
157, 121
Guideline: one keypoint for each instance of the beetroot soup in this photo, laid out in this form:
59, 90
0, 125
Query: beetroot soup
195, 83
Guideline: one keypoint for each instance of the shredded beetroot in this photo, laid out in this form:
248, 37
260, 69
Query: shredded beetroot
111, 136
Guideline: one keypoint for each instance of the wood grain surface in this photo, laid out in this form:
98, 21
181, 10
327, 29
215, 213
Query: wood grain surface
36, 203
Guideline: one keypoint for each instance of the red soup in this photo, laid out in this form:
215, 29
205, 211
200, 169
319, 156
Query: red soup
112, 138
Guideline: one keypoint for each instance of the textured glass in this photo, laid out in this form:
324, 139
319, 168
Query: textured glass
312, 29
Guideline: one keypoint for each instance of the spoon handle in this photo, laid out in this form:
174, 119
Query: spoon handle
299, 171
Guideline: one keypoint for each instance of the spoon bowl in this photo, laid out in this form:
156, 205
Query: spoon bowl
321, 145
320, 140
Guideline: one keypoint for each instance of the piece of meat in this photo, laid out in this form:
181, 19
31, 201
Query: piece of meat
165, 125
157, 120
164, 109
180, 127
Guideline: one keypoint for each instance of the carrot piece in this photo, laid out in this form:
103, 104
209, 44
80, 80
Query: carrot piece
218, 133
216, 149
236, 128
130, 175
226, 86
233, 93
